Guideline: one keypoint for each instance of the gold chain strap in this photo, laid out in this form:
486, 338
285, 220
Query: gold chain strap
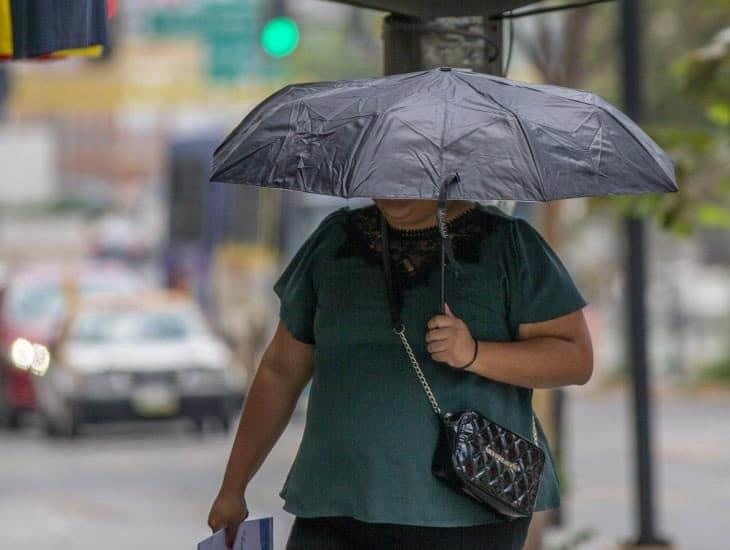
426, 386
419, 372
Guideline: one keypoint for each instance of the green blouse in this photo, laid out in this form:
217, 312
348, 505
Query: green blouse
370, 432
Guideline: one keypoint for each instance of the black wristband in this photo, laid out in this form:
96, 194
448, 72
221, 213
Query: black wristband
476, 352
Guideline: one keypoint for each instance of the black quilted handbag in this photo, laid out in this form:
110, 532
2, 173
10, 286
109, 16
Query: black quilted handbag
483, 459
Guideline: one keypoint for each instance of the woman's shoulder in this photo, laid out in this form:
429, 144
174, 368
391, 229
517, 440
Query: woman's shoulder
329, 234
335, 217
503, 227
507, 226
330, 224
496, 216
346, 214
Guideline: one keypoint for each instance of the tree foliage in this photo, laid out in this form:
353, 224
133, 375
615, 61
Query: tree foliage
700, 150
685, 68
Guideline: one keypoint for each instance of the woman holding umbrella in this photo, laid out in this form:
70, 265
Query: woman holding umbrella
362, 478
426, 147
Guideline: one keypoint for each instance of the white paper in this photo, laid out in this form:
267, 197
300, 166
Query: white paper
252, 534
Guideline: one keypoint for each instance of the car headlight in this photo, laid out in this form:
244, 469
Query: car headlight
28, 356
201, 380
21, 353
41, 360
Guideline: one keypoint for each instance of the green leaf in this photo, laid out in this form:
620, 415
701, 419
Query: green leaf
719, 113
713, 215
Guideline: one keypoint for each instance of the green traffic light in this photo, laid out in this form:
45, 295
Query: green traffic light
279, 37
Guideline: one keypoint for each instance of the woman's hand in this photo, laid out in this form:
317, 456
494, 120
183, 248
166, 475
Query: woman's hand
227, 512
449, 340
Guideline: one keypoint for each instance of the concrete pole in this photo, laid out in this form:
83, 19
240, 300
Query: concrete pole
413, 44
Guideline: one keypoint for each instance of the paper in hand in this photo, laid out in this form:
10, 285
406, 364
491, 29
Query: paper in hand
252, 534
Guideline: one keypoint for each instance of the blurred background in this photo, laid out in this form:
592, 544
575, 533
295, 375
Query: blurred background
136, 298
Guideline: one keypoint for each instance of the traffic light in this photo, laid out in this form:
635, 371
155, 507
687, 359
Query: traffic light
279, 35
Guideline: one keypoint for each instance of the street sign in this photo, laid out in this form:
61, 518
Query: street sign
228, 28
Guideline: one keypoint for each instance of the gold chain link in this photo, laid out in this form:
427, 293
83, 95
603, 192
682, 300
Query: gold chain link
419, 372
427, 388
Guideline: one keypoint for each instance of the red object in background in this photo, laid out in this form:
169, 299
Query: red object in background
32, 305
17, 391
111, 8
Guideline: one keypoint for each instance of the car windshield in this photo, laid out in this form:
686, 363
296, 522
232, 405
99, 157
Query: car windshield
34, 302
135, 326
42, 301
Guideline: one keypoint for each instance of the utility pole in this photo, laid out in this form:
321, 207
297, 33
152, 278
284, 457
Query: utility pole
415, 43
635, 297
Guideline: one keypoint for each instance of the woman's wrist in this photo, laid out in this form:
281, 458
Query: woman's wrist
233, 488
474, 356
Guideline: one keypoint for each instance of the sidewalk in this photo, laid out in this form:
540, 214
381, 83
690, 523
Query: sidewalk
691, 475
692, 469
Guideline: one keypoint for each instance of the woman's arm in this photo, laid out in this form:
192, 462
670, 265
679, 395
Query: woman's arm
285, 369
548, 354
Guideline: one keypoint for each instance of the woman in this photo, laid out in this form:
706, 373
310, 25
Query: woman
362, 476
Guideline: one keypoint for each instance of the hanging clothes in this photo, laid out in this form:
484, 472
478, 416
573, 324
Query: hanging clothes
52, 29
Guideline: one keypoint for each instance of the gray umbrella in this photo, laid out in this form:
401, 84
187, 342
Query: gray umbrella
442, 134
404, 136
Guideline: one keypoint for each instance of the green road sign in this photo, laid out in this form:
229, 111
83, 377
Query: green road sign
227, 28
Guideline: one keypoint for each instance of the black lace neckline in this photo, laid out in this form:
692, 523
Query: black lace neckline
430, 232
415, 253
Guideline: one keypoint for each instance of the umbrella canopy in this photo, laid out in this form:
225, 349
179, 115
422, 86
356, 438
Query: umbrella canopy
404, 136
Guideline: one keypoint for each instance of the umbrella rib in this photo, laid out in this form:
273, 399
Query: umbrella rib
351, 86
470, 132
641, 145
443, 137
601, 108
373, 117
248, 119
539, 89
254, 151
416, 130
522, 130
425, 167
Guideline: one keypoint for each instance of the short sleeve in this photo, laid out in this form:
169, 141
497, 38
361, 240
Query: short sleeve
540, 286
295, 287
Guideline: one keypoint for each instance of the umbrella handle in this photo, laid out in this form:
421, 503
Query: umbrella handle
441, 217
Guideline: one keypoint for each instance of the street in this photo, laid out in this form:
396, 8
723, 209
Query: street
126, 486
692, 469
150, 486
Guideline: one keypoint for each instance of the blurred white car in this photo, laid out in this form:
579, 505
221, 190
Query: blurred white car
151, 355
34, 300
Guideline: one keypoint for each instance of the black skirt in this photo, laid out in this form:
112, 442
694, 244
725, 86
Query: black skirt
345, 533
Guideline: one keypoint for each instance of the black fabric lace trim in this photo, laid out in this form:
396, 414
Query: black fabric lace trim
414, 253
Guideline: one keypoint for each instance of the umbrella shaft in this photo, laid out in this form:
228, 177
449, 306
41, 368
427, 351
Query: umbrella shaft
443, 273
